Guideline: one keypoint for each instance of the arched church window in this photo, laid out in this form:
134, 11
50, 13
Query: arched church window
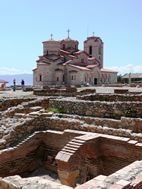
40, 77
63, 46
99, 50
82, 60
90, 50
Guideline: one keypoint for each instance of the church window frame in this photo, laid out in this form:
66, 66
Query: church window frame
100, 51
90, 50
40, 77
73, 77
82, 60
64, 46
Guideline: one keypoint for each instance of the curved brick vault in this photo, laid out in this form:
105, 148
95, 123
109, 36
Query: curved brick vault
74, 155
90, 155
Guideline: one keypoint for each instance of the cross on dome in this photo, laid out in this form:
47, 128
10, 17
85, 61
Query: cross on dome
51, 36
68, 33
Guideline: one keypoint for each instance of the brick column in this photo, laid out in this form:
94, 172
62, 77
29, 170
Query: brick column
68, 171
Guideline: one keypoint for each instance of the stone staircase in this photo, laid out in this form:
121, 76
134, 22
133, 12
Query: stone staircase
72, 147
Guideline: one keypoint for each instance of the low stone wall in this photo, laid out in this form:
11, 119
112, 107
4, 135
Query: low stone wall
55, 92
133, 124
129, 177
98, 109
27, 107
42, 121
111, 97
63, 92
121, 91
5, 104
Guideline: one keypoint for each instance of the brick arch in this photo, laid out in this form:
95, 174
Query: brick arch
90, 155
70, 160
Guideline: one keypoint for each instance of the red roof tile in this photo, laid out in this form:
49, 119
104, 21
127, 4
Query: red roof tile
92, 66
3, 81
107, 70
80, 67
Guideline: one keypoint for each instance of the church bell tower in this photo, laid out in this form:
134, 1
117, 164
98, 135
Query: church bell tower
94, 47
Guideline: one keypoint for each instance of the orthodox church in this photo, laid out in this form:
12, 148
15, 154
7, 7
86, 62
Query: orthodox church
62, 63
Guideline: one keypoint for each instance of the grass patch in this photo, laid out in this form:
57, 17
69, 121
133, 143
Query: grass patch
55, 110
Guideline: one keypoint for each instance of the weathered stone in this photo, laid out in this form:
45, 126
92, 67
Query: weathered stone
68, 177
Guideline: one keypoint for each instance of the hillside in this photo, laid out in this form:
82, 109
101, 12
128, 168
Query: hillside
28, 78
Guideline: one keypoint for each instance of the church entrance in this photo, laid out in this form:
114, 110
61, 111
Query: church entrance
95, 81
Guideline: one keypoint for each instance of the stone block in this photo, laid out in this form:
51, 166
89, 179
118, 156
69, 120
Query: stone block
137, 182
68, 177
6, 185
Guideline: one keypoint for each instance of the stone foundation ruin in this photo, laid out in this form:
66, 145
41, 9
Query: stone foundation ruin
94, 142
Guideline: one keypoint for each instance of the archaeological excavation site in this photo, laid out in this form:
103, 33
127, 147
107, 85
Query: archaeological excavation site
66, 140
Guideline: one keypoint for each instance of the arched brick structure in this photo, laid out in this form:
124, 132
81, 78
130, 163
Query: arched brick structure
90, 155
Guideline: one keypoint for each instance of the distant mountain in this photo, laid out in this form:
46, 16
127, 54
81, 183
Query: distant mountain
28, 78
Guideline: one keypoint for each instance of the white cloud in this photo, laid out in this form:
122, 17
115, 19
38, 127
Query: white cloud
129, 68
12, 71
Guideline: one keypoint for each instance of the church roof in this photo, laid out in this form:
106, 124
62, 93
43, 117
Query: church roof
92, 66
3, 81
67, 62
68, 39
48, 58
95, 38
80, 67
94, 58
91, 58
51, 41
34, 69
43, 63
81, 52
108, 70
132, 75
64, 52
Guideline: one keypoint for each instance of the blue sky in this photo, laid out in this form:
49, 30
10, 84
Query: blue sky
24, 24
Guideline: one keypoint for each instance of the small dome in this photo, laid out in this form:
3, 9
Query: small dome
69, 39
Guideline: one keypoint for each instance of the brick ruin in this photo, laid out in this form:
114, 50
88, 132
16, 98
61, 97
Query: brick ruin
94, 142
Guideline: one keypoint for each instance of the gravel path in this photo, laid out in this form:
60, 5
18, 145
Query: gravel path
111, 89
20, 93
15, 94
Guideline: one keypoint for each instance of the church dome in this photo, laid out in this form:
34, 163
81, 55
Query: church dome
51, 46
69, 45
